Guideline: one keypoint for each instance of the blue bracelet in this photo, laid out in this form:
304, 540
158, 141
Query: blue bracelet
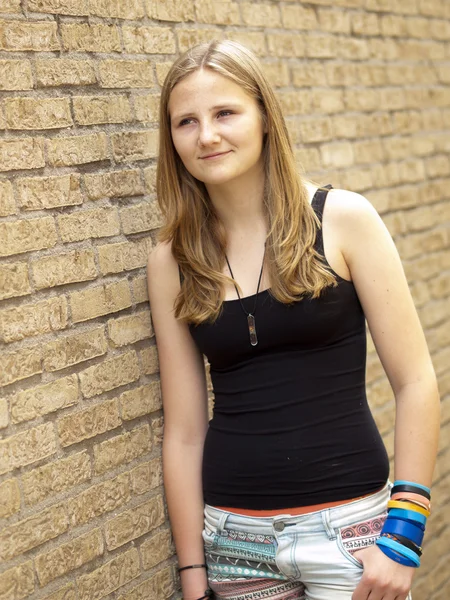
408, 515
402, 560
402, 482
399, 549
405, 528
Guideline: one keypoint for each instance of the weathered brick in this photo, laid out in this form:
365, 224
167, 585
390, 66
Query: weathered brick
93, 110
21, 153
286, 45
126, 73
147, 476
130, 329
69, 556
162, 68
115, 9
296, 17
141, 217
18, 582
149, 358
140, 401
4, 416
337, 154
60, 269
217, 12
37, 113
133, 523
315, 130
261, 15
320, 46
27, 447
32, 532
88, 423
36, 193
150, 178
189, 37
156, 549
170, 10
14, 280
158, 587
109, 577
64, 71
20, 364
148, 40
85, 37
65, 593
15, 75
115, 184
96, 223
109, 374
295, 103
73, 349
147, 108
56, 477
33, 319
122, 449
10, 504
77, 150
65, 7
26, 235
306, 75
37, 36
334, 21
138, 287
135, 145
437, 166
157, 427
10, 6
99, 499
123, 256
277, 73
7, 204
100, 300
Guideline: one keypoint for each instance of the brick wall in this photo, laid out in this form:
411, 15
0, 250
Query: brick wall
365, 88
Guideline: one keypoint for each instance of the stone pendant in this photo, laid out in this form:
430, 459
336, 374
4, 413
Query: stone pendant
252, 329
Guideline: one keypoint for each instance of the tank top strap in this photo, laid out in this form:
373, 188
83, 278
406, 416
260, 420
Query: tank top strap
318, 204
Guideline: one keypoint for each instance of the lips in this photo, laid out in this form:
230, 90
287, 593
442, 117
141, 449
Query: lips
215, 154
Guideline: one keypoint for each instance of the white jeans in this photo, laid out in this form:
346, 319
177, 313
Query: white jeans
306, 557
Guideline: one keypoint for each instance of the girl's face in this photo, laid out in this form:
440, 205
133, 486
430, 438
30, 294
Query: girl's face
217, 128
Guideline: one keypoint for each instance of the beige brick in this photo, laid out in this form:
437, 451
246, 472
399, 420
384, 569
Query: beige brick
295, 17
308, 159
73, 349
92, 110
126, 73
294, 103
148, 40
286, 45
261, 15
77, 150
170, 10
7, 204
416, 244
353, 48
110, 576
150, 178
10, 504
99, 499
32, 532
64, 71
162, 68
60, 269
10, 6
37, 36
138, 287
133, 523
157, 427
190, 37
334, 21
33, 319
307, 75
315, 130
393, 25
36, 193
83, 224
135, 145
115, 9
158, 587
14, 280
65, 593
88, 423
277, 73
84, 37
39, 113
217, 12
122, 449
25, 235
402, 6
115, 184
56, 477
337, 154
147, 108
141, 217
437, 166
27, 447
156, 549
109, 374
15, 75
18, 582
4, 416
44, 399
331, 102
124, 256
20, 364
65, 7
130, 329
149, 358
147, 476
365, 24
320, 46
100, 300
21, 153
69, 556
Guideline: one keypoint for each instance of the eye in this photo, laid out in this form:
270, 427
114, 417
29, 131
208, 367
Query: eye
185, 122
224, 113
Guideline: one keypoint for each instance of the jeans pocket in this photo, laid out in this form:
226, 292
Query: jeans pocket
209, 538
357, 536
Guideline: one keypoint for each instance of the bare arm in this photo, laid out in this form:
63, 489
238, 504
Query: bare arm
185, 419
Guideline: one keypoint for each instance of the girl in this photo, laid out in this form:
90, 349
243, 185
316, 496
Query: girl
284, 493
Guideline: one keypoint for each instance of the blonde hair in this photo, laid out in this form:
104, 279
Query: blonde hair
197, 237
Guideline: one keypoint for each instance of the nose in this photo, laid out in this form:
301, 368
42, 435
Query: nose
208, 133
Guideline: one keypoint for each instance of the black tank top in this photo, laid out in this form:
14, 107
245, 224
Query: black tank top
291, 424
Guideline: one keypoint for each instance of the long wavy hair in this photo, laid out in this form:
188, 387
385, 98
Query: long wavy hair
197, 237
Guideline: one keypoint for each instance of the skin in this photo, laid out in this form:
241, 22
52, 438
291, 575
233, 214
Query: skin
357, 246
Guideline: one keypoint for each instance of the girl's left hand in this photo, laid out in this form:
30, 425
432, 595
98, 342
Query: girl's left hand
383, 578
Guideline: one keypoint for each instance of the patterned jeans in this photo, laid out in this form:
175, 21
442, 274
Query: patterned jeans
306, 557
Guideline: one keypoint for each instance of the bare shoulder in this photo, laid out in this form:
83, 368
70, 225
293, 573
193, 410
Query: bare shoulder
162, 271
347, 206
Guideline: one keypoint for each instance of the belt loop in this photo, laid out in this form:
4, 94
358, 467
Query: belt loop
327, 524
221, 523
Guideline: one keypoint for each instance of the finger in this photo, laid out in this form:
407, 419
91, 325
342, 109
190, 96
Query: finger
361, 592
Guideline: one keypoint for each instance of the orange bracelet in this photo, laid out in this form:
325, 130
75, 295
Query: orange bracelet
408, 506
416, 498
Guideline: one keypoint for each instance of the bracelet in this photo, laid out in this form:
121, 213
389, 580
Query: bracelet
409, 516
408, 506
404, 541
410, 488
192, 567
424, 488
208, 594
403, 528
404, 552
416, 498
396, 556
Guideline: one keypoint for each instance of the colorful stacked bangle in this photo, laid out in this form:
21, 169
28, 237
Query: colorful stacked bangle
402, 534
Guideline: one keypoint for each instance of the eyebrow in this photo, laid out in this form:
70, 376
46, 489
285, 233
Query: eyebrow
213, 108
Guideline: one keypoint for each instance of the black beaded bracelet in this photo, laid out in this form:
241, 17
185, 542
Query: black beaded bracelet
208, 594
202, 566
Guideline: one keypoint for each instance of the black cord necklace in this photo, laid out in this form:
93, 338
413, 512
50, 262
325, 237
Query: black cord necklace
250, 315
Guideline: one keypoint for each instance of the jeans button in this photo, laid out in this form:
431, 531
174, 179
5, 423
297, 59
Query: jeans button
278, 526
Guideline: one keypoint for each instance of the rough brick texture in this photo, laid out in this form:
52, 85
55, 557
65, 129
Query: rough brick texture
364, 86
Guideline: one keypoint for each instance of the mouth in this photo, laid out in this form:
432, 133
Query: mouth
214, 155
